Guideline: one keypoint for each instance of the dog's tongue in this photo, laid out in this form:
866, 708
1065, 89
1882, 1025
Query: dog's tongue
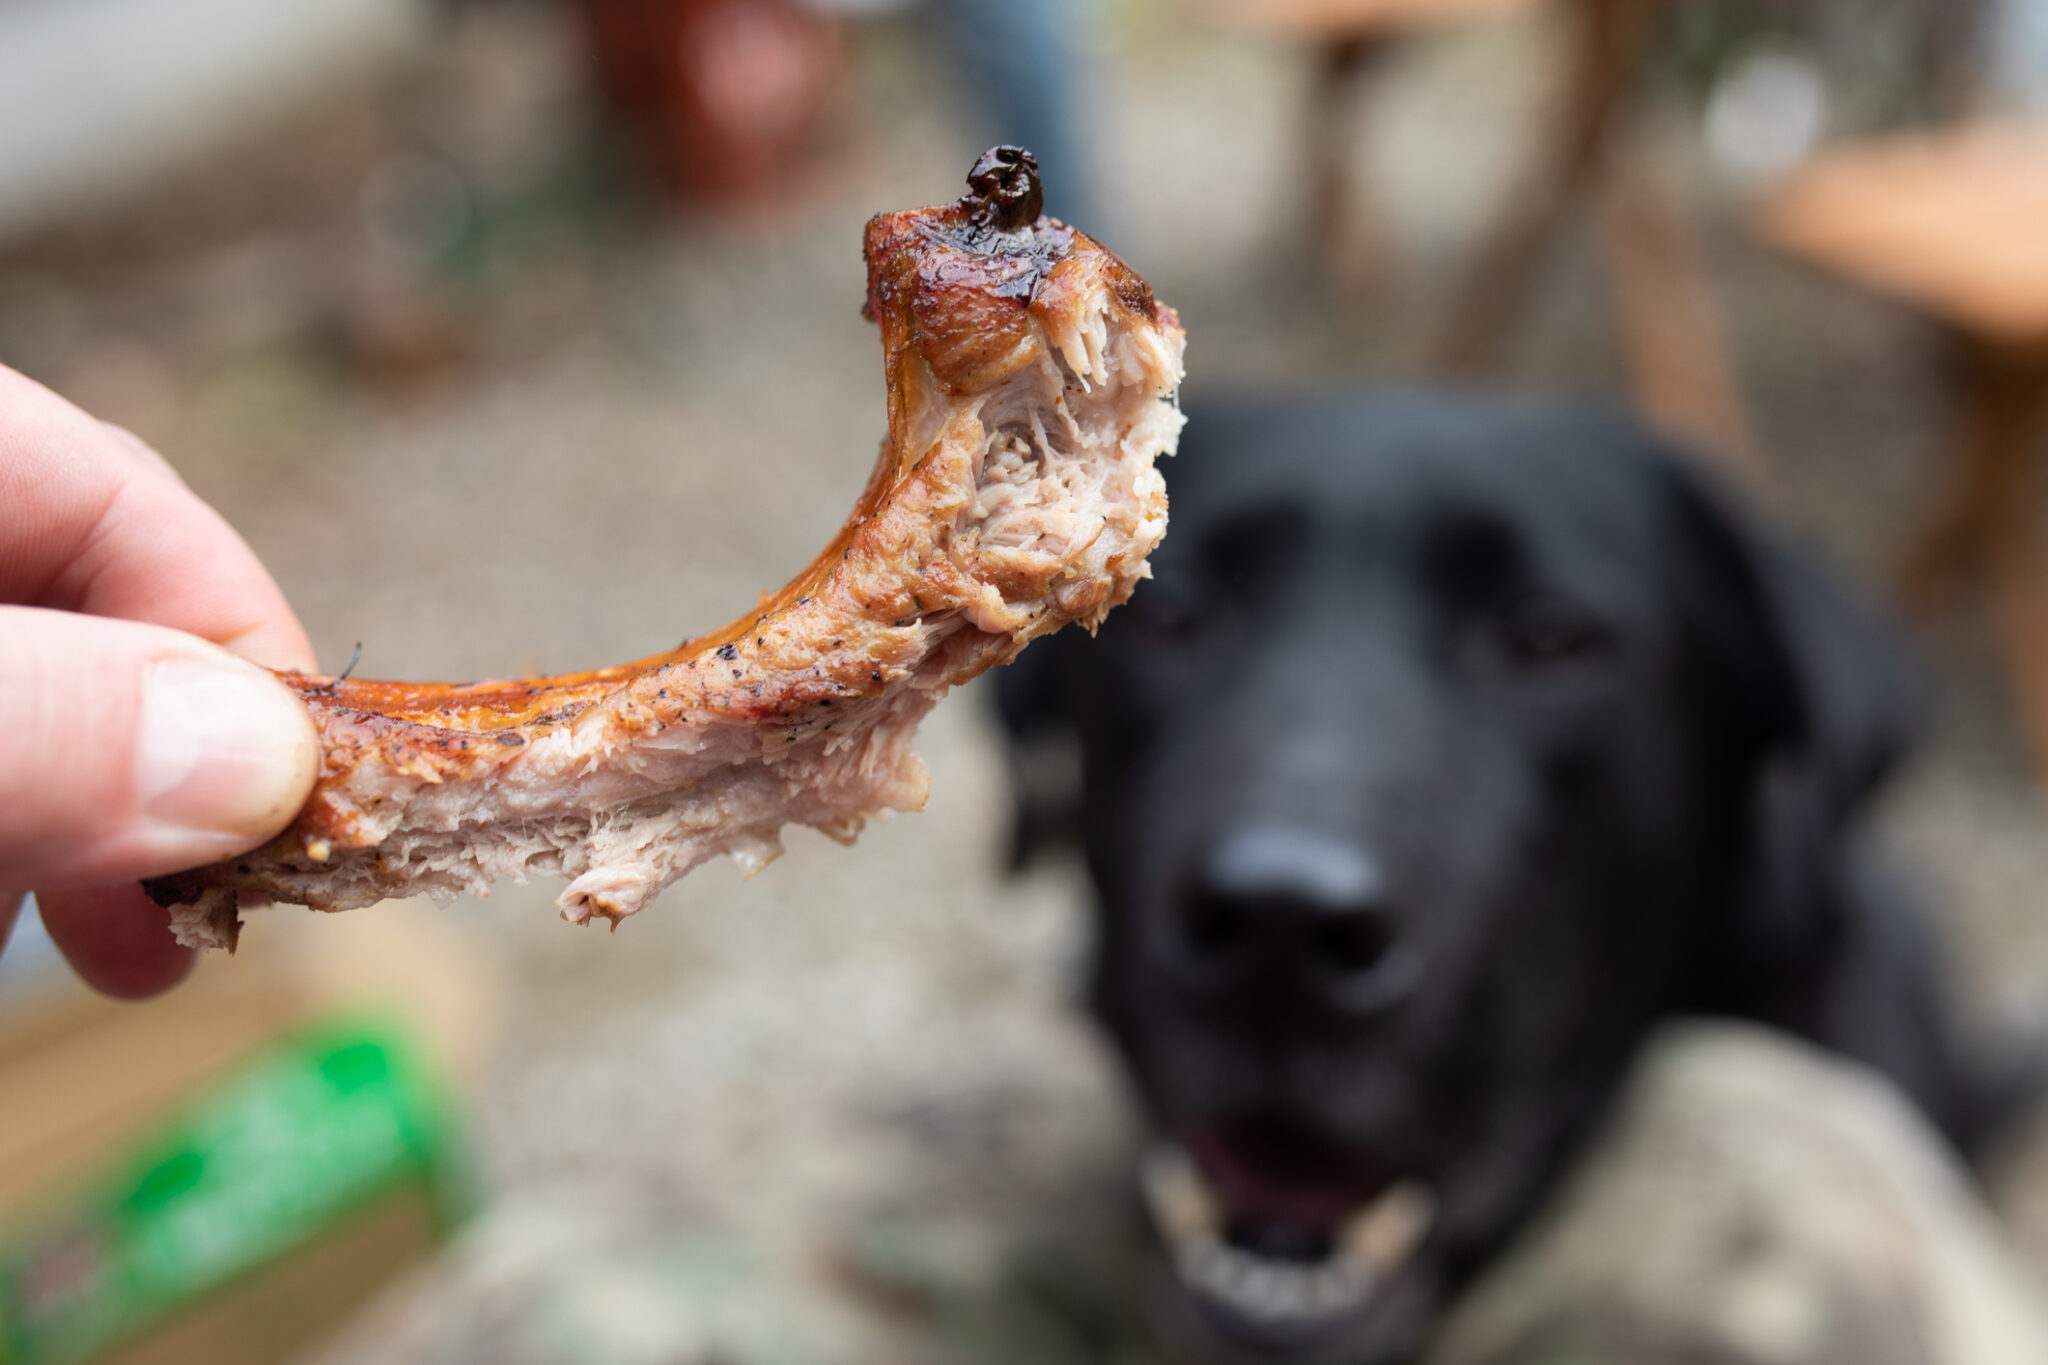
1276, 1183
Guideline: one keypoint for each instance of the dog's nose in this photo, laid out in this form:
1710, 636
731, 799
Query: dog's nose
1298, 912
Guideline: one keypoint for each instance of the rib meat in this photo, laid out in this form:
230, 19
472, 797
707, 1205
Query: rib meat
1031, 383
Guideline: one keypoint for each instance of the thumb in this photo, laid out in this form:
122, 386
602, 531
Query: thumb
129, 750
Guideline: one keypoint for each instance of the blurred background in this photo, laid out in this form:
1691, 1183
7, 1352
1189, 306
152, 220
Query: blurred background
524, 335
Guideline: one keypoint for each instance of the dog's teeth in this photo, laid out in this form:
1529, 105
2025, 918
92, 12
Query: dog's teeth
1180, 1203
1384, 1234
1288, 1291
1231, 1276
1373, 1244
1262, 1288
1270, 1291
1339, 1286
1206, 1265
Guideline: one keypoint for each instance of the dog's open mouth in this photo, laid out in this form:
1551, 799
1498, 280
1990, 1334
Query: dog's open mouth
1277, 1233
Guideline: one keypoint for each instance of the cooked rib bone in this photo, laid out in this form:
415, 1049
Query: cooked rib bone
1031, 380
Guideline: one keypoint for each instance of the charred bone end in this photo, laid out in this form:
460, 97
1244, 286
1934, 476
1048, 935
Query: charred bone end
1007, 194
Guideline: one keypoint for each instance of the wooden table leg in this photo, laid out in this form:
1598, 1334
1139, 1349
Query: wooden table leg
1351, 239
2013, 451
1984, 486
1671, 327
1985, 519
1496, 289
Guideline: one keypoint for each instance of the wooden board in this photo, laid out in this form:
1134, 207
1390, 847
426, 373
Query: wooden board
1955, 222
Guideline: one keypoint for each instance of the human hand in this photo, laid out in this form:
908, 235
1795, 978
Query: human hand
133, 739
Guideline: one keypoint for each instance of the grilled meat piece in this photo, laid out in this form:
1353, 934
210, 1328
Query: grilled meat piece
1031, 380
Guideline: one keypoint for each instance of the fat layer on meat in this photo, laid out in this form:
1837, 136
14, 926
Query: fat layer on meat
1031, 383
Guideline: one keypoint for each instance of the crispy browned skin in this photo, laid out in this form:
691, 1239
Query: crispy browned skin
1030, 378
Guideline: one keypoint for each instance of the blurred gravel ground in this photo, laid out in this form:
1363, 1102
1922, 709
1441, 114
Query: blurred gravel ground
597, 431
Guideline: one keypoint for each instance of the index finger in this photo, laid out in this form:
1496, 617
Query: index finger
99, 523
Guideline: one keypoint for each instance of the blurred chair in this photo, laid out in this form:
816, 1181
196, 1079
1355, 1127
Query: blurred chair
1664, 305
1956, 223
1574, 151
1349, 38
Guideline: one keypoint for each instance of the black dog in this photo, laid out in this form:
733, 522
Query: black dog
1453, 745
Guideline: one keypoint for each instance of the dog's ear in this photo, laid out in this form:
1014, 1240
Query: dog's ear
1726, 609
1818, 680
1042, 751
1819, 686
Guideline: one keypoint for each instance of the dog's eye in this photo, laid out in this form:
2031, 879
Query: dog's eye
1545, 630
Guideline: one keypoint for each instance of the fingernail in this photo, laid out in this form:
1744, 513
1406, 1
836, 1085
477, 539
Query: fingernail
225, 756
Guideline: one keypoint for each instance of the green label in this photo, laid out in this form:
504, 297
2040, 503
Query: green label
309, 1130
